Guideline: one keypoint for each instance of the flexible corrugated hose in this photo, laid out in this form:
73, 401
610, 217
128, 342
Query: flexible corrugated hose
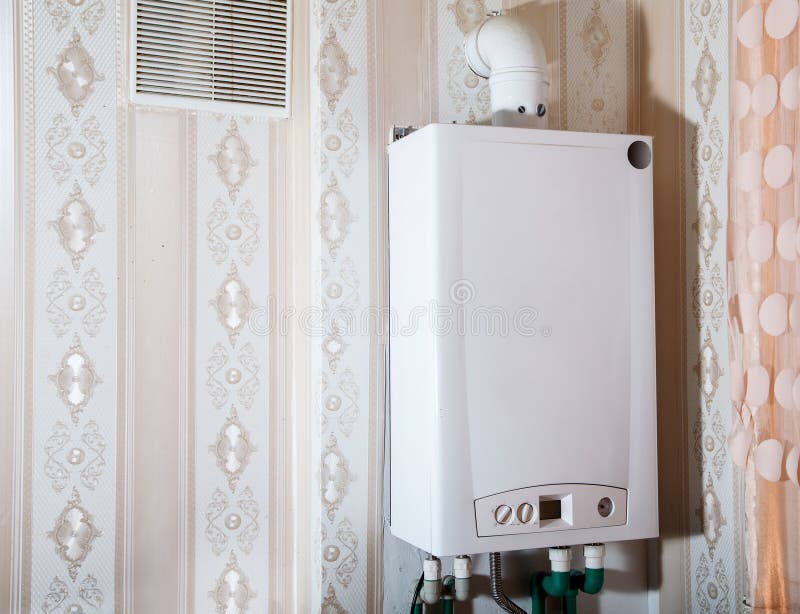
496, 586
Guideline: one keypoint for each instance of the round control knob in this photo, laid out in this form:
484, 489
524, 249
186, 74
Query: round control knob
605, 506
525, 513
503, 514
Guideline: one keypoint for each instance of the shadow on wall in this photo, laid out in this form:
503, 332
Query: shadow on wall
631, 567
676, 208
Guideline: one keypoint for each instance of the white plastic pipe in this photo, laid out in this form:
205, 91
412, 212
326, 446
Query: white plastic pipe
511, 55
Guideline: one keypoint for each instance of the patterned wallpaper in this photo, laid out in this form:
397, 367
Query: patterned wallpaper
596, 55
344, 564
715, 558
74, 203
73, 545
230, 437
73, 550
462, 96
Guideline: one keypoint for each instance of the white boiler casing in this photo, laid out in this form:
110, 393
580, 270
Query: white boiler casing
522, 407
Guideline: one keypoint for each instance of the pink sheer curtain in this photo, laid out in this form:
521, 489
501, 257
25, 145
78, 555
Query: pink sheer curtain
764, 291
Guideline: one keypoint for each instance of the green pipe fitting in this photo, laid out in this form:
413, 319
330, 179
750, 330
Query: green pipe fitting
561, 584
594, 555
556, 583
593, 581
418, 607
538, 596
447, 605
448, 584
566, 584
448, 588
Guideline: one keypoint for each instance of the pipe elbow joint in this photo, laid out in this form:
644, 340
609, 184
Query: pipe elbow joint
502, 44
513, 58
432, 585
556, 583
593, 581
594, 574
461, 589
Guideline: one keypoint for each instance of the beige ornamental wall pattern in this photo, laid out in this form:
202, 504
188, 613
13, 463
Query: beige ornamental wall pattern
231, 364
715, 561
344, 564
72, 547
66, 552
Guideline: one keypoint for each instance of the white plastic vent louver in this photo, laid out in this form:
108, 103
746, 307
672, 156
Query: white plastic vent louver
212, 54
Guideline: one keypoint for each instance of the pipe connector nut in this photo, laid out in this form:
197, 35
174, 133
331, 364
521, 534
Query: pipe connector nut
432, 568
560, 558
432, 587
594, 556
462, 567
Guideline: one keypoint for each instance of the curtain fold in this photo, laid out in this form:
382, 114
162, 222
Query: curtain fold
764, 291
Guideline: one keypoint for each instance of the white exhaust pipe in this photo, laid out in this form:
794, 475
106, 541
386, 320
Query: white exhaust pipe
512, 57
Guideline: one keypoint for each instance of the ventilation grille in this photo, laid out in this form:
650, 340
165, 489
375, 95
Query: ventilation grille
213, 50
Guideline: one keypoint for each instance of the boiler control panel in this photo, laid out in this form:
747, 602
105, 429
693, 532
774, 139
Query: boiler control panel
553, 507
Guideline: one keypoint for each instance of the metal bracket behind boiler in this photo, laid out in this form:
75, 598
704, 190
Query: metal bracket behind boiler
398, 132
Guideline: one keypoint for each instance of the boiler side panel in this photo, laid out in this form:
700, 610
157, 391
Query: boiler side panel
412, 402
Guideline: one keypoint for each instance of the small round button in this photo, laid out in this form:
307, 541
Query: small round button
503, 514
525, 513
605, 506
